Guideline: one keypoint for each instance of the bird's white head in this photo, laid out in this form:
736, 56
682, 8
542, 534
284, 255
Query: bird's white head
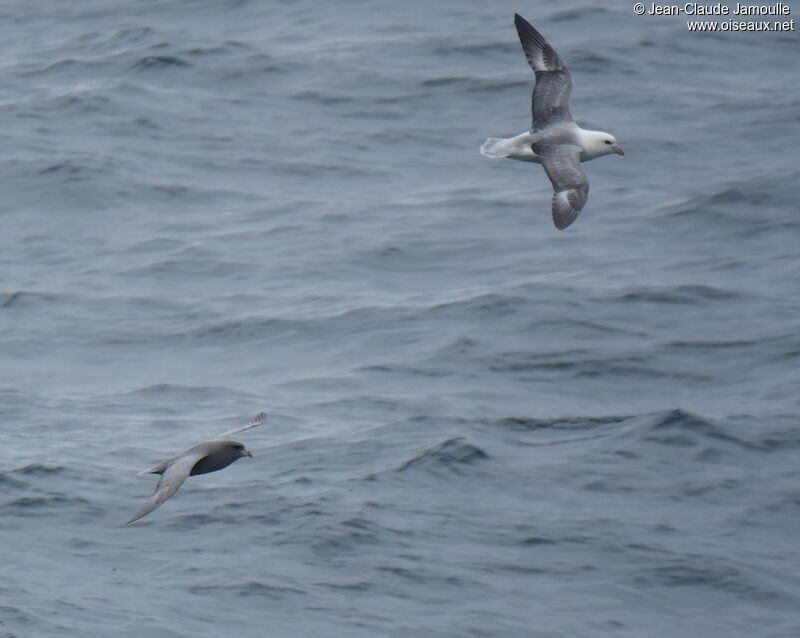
598, 143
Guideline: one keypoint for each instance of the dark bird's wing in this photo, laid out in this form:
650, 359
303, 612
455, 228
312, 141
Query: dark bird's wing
550, 101
562, 163
172, 477
257, 420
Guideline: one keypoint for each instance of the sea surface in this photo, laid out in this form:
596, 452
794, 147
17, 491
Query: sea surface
478, 425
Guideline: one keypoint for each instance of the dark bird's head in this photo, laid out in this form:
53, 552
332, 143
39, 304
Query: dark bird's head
237, 449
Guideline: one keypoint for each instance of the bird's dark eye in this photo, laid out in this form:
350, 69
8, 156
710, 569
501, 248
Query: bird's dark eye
608, 141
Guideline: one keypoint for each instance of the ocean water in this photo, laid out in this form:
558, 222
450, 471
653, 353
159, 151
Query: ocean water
479, 425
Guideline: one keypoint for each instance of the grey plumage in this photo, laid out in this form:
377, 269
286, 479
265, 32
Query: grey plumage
562, 163
206, 456
554, 139
553, 86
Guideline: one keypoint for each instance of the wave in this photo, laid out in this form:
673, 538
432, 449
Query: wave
472, 84
74, 169
453, 454
630, 436
27, 298
185, 394
158, 62
525, 424
9, 482
580, 13
480, 49
751, 206
36, 469
679, 294
248, 588
586, 364
113, 42
681, 428
38, 505
705, 571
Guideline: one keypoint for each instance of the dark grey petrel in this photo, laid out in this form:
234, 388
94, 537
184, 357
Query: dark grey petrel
207, 456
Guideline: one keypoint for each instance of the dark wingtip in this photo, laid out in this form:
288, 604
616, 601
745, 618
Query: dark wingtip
541, 56
566, 212
522, 24
561, 224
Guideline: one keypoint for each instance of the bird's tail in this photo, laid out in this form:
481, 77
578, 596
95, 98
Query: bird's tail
495, 148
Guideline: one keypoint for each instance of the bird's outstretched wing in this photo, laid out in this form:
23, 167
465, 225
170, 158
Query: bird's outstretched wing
172, 477
550, 100
562, 163
257, 420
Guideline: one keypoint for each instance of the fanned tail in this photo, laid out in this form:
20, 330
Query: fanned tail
494, 148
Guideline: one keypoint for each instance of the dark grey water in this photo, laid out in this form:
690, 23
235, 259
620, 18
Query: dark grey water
479, 426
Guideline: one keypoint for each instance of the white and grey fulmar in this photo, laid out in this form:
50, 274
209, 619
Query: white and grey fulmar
554, 140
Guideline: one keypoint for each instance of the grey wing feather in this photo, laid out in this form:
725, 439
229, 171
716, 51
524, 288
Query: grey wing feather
562, 163
257, 420
541, 56
171, 479
157, 469
551, 93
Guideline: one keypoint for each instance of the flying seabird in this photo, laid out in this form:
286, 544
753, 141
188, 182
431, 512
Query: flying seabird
555, 141
206, 456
